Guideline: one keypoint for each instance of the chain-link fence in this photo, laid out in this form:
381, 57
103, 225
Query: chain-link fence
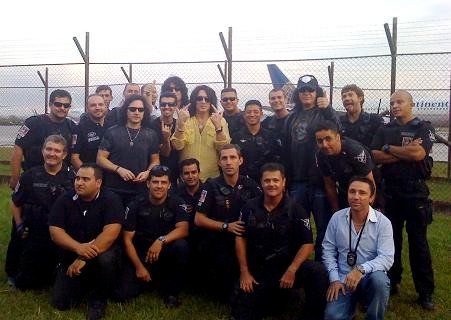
426, 76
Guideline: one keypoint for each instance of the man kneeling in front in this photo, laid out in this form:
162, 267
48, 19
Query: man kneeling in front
358, 250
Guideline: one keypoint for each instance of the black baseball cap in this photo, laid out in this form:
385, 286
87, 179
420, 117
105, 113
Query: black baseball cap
307, 81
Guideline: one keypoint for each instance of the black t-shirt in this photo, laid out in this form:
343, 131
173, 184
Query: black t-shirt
191, 201
89, 136
398, 135
353, 160
35, 130
299, 138
150, 221
363, 129
274, 124
222, 202
256, 150
83, 221
234, 122
172, 161
38, 190
135, 158
277, 234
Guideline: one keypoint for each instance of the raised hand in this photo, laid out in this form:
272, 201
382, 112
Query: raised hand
165, 131
323, 102
216, 117
183, 115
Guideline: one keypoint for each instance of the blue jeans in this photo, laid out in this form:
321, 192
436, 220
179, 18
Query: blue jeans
313, 199
375, 291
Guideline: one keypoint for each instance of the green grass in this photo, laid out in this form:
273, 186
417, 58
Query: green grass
35, 305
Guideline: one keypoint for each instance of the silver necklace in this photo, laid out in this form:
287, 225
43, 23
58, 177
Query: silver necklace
130, 137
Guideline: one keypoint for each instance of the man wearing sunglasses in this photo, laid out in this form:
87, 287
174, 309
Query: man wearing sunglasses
113, 115
232, 114
154, 230
164, 126
217, 215
36, 129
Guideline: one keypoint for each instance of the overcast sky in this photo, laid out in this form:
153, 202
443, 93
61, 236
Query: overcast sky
172, 30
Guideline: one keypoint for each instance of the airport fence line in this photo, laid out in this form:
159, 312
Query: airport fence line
425, 75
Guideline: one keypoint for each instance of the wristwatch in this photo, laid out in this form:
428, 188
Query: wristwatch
360, 269
162, 239
386, 148
224, 226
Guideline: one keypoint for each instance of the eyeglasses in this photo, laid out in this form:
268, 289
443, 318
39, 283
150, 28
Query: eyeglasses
225, 99
60, 104
134, 109
306, 89
172, 89
202, 98
167, 104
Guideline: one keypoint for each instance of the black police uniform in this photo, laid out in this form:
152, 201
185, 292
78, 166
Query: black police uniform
135, 158
406, 195
35, 130
89, 136
221, 202
353, 160
256, 150
149, 222
273, 239
83, 221
274, 124
32, 260
363, 129
172, 161
234, 122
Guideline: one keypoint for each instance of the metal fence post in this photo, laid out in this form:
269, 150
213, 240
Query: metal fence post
392, 42
330, 71
85, 55
228, 53
129, 75
45, 82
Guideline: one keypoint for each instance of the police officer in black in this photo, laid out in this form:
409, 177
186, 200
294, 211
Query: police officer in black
31, 256
232, 113
154, 232
35, 129
273, 252
258, 146
278, 101
85, 225
402, 147
339, 159
128, 151
90, 132
164, 126
217, 214
356, 123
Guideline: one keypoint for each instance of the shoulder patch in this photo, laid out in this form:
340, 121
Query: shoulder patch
22, 131
361, 157
306, 223
431, 136
202, 197
184, 207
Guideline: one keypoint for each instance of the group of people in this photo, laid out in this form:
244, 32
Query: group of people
172, 191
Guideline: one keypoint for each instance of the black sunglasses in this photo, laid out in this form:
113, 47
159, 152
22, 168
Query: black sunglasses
202, 98
306, 89
134, 109
60, 104
160, 168
167, 104
172, 89
225, 99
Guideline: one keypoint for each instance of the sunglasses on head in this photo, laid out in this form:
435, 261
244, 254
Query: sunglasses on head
306, 89
160, 168
167, 104
202, 98
225, 99
134, 109
61, 104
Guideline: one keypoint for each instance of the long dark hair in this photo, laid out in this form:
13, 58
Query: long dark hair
211, 94
123, 110
178, 83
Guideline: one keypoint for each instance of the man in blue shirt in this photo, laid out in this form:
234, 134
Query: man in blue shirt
358, 250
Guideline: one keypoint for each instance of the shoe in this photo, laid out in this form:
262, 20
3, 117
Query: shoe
96, 310
394, 289
171, 301
426, 302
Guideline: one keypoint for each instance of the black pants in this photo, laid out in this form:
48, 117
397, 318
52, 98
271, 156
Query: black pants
13, 253
168, 273
416, 214
312, 276
97, 278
